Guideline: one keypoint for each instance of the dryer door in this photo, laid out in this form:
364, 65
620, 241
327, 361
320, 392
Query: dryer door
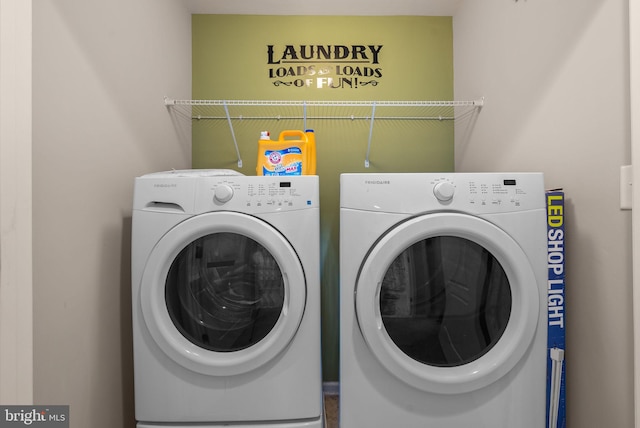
223, 293
447, 302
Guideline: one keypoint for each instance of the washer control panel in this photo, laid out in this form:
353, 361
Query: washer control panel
200, 191
418, 192
481, 190
257, 193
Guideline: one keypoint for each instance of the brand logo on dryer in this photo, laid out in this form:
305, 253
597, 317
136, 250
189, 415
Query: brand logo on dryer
377, 182
165, 185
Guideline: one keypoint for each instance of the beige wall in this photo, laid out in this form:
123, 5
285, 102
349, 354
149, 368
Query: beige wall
634, 102
555, 80
101, 70
16, 321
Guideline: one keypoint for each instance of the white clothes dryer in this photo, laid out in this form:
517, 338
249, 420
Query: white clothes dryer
443, 290
226, 300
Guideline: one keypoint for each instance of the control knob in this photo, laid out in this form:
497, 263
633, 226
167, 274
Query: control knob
444, 191
223, 193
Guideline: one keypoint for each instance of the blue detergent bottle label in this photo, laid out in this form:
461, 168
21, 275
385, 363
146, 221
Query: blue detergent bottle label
283, 162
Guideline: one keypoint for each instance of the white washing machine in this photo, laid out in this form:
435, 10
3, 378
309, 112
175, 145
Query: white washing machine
443, 291
226, 300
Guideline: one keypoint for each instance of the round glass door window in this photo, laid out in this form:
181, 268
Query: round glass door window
445, 301
224, 292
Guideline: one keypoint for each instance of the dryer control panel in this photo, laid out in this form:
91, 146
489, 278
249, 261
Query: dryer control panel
419, 192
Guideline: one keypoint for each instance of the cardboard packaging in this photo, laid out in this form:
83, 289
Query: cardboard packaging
556, 406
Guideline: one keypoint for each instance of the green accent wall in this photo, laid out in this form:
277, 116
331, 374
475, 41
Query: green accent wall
415, 63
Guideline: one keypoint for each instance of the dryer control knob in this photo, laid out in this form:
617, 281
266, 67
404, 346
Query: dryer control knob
444, 191
223, 193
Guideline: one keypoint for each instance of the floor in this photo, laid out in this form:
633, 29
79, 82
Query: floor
331, 403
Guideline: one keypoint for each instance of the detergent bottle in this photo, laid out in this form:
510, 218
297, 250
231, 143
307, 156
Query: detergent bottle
311, 152
289, 155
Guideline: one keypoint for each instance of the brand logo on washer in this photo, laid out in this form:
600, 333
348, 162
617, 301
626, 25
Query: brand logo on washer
165, 185
377, 181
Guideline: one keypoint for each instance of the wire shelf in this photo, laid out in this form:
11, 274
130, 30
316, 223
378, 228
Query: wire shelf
322, 110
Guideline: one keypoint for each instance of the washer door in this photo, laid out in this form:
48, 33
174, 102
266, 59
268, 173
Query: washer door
447, 302
223, 293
